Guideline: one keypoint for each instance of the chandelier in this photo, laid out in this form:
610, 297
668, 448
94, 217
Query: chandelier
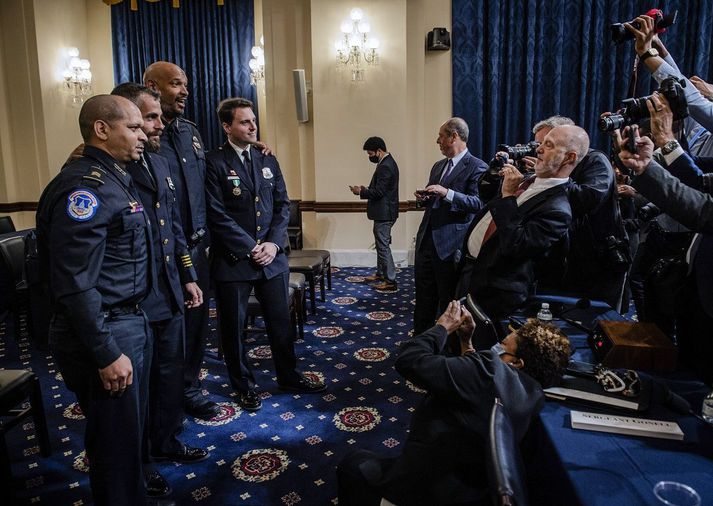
257, 63
356, 48
77, 76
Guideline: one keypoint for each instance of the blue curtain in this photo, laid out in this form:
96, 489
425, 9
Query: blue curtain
516, 62
211, 43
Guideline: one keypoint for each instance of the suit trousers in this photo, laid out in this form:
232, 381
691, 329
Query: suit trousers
435, 284
196, 331
165, 413
113, 434
232, 300
384, 259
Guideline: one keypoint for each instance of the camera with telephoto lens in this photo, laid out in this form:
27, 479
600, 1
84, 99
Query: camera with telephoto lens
515, 153
619, 32
634, 109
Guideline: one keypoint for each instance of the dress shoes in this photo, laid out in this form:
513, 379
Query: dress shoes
303, 386
389, 286
249, 401
203, 410
373, 277
156, 485
187, 455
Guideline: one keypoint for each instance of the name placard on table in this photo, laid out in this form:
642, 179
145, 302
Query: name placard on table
626, 425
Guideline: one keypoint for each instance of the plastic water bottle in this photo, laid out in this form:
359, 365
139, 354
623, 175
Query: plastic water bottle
707, 408
545, 315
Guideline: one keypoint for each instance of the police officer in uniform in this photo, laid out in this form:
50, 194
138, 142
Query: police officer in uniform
248, 212
182, 147
164, 306
95, 249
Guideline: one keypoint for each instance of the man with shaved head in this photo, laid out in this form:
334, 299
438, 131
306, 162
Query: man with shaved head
182, 146
521, 224
94, 240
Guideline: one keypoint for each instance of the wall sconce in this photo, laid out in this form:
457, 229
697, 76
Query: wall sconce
257, 63
356, 47
77, 76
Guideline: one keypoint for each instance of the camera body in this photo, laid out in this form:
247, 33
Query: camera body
634, 109
620, 34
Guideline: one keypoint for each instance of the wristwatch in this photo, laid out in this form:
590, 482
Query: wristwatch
652, 51
669, 147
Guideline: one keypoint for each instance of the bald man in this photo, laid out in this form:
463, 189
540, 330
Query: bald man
520, 225
182, 146
94, 239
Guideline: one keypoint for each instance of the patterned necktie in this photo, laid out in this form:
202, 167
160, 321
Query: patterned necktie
492, 227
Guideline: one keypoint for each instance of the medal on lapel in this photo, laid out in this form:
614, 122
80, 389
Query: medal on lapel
235, 180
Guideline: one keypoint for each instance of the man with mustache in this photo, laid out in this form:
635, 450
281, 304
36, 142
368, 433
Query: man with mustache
163, 306
95, 250
183, 148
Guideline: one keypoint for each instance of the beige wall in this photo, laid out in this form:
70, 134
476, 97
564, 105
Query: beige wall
404, 99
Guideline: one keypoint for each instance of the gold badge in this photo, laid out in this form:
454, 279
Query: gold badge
237, 191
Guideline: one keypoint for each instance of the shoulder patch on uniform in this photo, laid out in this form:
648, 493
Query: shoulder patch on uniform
82, 205
184, 120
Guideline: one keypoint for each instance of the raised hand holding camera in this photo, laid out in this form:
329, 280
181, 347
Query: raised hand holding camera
661, 119
511, 180
638, 161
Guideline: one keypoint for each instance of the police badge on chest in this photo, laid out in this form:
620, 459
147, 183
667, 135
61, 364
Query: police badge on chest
234, 180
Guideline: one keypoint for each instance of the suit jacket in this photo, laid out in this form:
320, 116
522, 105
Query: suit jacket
506, 262
449, 221
689, 206
245, 208
383, 191
172, 259
442, 460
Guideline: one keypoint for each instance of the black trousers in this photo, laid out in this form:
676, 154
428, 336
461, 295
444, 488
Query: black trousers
165, 413
196, 325
232, 301
113, 434
354, 488
435, 284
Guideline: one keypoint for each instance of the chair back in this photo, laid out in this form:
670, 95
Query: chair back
6, 224
12, 251
295, 214
505, 470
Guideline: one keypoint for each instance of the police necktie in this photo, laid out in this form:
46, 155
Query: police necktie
247, 163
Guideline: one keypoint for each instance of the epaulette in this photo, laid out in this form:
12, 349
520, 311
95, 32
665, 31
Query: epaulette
95, 174
187, 121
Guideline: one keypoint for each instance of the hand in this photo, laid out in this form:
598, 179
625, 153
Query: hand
421, 195
264, 148
644, 34
511, 180
356, 190
118, 375
195, 295
661, 119
77, 153
451, 317
702, 86
436, 189
624, 190
263, 254
466, 329
640, 160
529, 163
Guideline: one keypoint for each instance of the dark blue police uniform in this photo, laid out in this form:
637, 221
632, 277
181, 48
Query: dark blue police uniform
164, 306
95, 244
247, 207
182, 147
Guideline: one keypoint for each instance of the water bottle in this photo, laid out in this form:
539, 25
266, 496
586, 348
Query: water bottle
545, 315
707, 408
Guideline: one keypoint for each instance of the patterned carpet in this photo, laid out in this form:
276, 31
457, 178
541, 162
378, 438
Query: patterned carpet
286, 453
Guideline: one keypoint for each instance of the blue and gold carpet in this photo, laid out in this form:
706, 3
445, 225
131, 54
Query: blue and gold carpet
284, 454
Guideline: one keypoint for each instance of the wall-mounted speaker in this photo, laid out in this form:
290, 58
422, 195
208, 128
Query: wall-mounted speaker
438, 40
298, 79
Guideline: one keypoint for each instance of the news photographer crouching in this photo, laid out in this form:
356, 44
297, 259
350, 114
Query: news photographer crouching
693, 209
443, 459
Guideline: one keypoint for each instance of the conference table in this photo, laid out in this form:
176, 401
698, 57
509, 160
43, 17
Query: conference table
572, 466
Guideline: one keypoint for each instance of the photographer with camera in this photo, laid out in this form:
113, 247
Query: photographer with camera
598, 255
693, 209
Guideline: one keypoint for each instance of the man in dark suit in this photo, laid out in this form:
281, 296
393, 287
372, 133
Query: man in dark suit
520, 225
451, 201
164, 305
182, 146
679, 194
382, 208
443, 457
248, 212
